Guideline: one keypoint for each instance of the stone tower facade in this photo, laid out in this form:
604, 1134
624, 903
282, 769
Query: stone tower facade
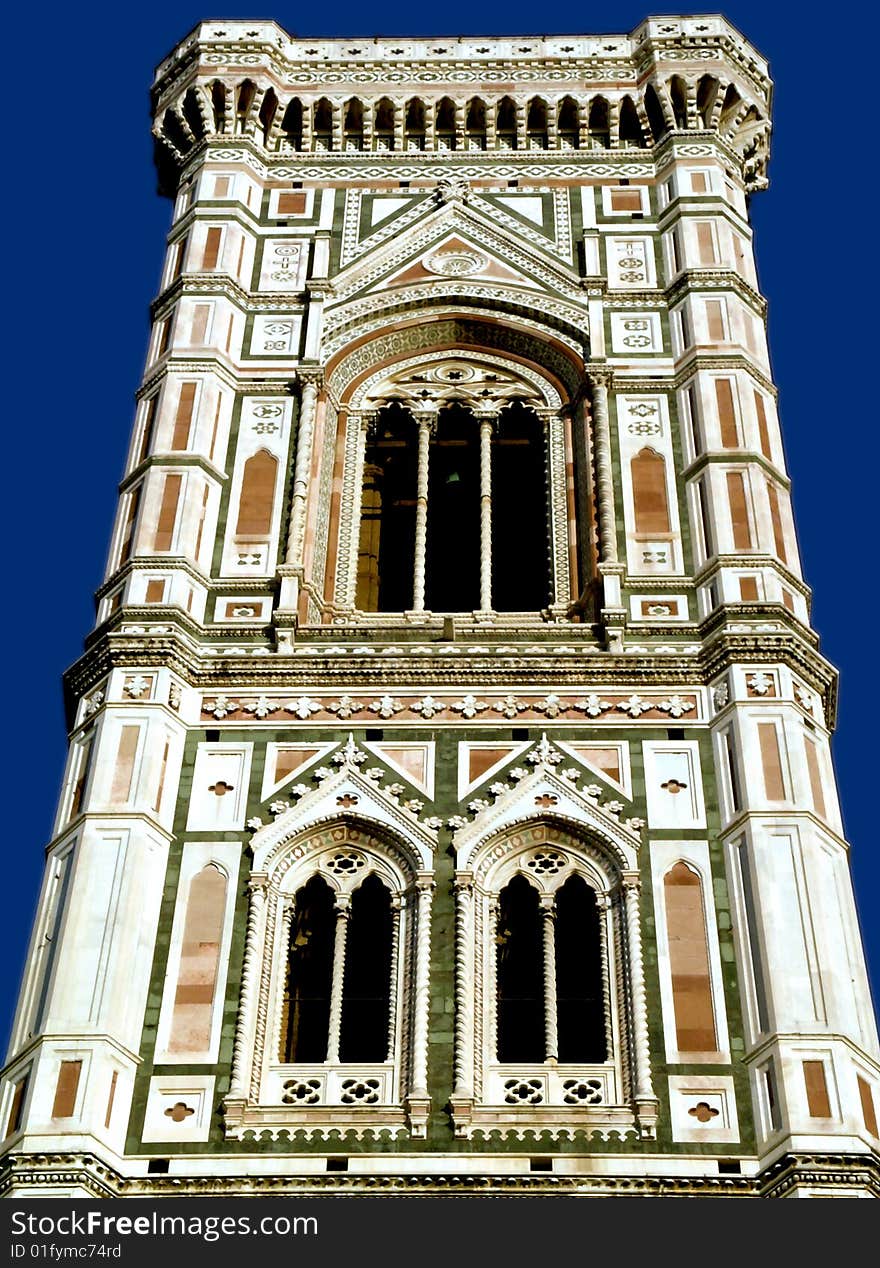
449, 804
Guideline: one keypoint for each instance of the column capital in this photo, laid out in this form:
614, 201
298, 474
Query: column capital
600, 376
309, 376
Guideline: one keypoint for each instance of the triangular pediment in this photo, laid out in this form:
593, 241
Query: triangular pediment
449, 246
540, 217
345, 793
545, 791
457, 257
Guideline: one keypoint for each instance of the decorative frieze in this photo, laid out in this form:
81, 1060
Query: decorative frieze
489, 707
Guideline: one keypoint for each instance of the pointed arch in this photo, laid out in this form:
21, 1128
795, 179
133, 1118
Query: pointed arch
568, 123
707, 91
414, 124
444, 124
678, 98
475, 123
244, 101
505, 123
536, 123
687, 936
193, 1006
192, 111
219, 105
257, 497
729, 106
630, 126
267, 112
654, 110
650, 493
599, 123
292, 123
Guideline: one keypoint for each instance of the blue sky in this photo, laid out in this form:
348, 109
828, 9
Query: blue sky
83, 247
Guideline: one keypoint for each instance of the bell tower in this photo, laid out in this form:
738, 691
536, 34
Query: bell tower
449, 800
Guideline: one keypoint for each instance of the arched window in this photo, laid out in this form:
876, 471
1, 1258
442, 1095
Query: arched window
551, 995
323, 126
650, 497
568, 123
353, 125
452, 566
193, 1007
339, 940
521, 1022
366, 985
678, 97
383, 130
548, 940
689, 961
444, 128
484, 540
414, 125
598, 124
476, 124
388, 508
257, 495
292, 123
268, 110
519, 518
337, 996
306, 1009
630, 124
654, 111
505, 126
580, 1001
536, 124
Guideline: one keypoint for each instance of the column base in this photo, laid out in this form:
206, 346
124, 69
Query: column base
418, 1107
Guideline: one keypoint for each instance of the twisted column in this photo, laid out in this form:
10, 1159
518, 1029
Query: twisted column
644, 1088
464, 977
427, 421
262, 1000
601, 382
603, 906
340, 939
283, 952
487, 422
242, 1046
311, 381
551, 1029
492, 977
396, 904
422, 989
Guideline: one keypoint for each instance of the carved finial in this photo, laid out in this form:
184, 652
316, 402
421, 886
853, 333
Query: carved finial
451, 189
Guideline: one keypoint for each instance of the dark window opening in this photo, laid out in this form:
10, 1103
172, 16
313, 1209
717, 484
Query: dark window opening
310, 968
520, 978
520, 556
387, 543
452, 561
365, 991
580, 1003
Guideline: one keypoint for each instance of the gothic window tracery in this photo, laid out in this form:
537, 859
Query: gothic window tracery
461, 483
550, 976
338, 946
